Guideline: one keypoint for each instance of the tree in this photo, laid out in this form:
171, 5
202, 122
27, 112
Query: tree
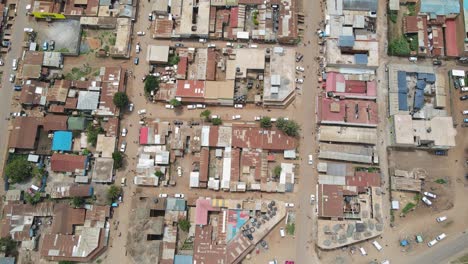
8, 246
206, 114
120, 99
113, 193
277, 171
18, 170
93, 133
151, 84
265, 122
32, 199
216, 121
399, 47
159, 174
174, 102
118, 159
289, 127
281, 123
173, 59
78, 202
184, 225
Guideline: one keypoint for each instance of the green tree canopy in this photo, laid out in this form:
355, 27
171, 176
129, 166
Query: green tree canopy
216, 121
174, 102
399, 47
120, 99
8, 246
118, 159
113, 193
32, 199
78, 202
265, 122
93, 133
184, 225
206, 114
159, 174
151, 84
18, 170
289, 127
277, 171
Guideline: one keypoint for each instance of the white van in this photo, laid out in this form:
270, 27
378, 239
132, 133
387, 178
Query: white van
282, 233
426, 201
441, 236
430, 195
464, 89
14, 64
441, 219
432, 243
142, 111
123, 182
202, 40
363, 251
465, 112
377, 245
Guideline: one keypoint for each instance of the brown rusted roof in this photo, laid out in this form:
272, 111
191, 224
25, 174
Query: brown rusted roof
24, 132
204, 164
65, 218
67, 163
55, 122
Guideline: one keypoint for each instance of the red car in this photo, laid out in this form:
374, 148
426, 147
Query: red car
289, 262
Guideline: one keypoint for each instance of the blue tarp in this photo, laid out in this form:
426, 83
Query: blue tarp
183, 259
430, 78
62, 141
402, 101
361, 59
419, 99
421, 84
402, 82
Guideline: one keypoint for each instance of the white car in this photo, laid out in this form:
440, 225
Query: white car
169, 106
141, 111
430, 195
123, 146
426, 201
214, 116
191, 107
441, 236
201, 106
465, 112
124, 132
141, 33
202, 40
12, 78
311, 160
441, 219
179, 171
312, 198
179, 195
162, 195
432, 243
298, 80
229, 44
130, 107
258, 118
240, 106
299, 69
138, 48
28, 30
289, 205
211, 45
236, 117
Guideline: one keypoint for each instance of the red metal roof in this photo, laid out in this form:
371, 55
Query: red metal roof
330, 200
190, 89
364, 179
233, 21
202, 208
182, 66
144, 135
451, 37
67, 163
55, 122
344, 111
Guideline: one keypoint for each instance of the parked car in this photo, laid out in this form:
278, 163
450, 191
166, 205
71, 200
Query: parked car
162, 195
299, 57
179, 171
123, 182
430, 195
413, 59
464, 97
179, 45
214, 116
238, 106
191, 107
169, 106
437, 62
229, 44
432, 243
441, 152
289, 205
363, 251
12, 78
464, 89
123, 146
124, 132
299, 69
201, 106
312, 198
282, 232
441, 237
28, 30
14, 64
441, 219
202, 40
465, 120
130, 107
137, 49
299, 80
141, 33
257, 118
136, 60
52, 44
465, 112
211, 45
311, 159
45, 46
426, 201
179, 195
150, 16
236, 117
141, 111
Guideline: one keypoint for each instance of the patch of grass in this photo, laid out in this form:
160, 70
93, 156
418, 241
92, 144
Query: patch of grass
392, 216
64, 50
393, 15
112, 40
440, 181
411, 9
399, 47
413, 42
291, 229
408, 207
77, 73
417, 197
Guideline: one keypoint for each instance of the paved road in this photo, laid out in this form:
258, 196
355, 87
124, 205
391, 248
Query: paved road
6, 91
443, 251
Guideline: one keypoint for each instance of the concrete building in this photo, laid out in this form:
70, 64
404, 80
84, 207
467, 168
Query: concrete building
192, 22
279, 85
157, 54
121, 49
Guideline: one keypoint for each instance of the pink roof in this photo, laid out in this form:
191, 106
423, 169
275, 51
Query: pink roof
144, 135
201, 213
451, 37
233, 18
350, 88
358, 112
190, 88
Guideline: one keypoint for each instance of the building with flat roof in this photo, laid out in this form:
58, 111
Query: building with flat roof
190, 91
219, 92
342, 134
157, 54
279, 83
191, 23
103, 170
245, 60
105, 146
347, 112
122, 39
352, 86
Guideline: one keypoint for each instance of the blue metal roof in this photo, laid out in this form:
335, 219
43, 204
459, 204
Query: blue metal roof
346, 41
361, 59
175, 204
62, 141
7, 260
421, 84
430, 78
440, 7
421, 75
419, 99
361, 5
403, 101
402, 82
183, 259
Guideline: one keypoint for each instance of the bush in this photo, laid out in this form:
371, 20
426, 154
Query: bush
151, 84
393, 15
173, 59
441, 181
113, 193
93, 133
8, 246
277, 171
18, 170
408, 207
291, 229
118, 159
32, 199
399, 47
216, 121
78, 202
184, 225
159, 174
265, 122
289, 127
174, 102
206, 114
120, 99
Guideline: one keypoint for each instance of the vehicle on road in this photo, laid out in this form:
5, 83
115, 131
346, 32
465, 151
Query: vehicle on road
464, 89
141, 33
299, 69
162, 195
413, 59
191, 107
179, 45
150, 16
202, 40
141, 111
179, 195
312, 198
236, 117
377, 245
136, 60
14, 64
214, 116
441, 237
430, 195
311, 159
363, 251
426, 201
52, 44
201, 106
437, 62
137, 48
257, 118
441, 219
169, 106
12, 78
240, 106
465, 120
130, 107
299, 80
229, 44
432, 243
299, 57
1, 62
440, 152
28, 30
211, 45
123, 182
124, 132
289, 205
123, 146
464, 97
282, 233
179, 171
45, 46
